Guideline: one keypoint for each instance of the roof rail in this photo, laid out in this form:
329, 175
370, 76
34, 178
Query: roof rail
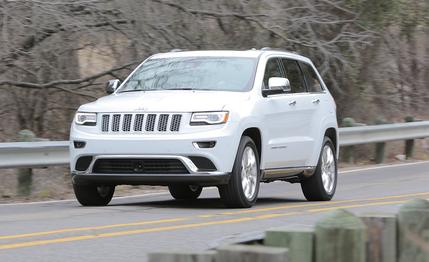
276, 49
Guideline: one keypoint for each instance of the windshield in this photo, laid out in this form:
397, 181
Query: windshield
193, 73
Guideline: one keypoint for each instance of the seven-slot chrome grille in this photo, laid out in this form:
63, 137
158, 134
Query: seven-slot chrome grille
139, 122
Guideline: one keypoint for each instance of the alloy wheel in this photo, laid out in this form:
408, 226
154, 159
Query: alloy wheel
249, 173
328, 169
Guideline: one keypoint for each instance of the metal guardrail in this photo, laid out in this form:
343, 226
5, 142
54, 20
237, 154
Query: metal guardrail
51, 153
383, 133
34, 154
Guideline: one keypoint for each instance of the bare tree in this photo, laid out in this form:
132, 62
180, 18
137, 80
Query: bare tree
55, 55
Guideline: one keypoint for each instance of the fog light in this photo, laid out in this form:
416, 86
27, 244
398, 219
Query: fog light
83, 163
205, 144
79, 144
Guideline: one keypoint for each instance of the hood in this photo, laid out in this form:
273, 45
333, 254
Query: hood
165, 101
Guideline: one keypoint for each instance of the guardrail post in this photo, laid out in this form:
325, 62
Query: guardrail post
409, 144
348, 151
248, 253
340, 237
380, 147
298, 240
413, 220
203, 256
25, 175
382, 235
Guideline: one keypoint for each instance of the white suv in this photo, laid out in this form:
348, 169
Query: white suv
188, 120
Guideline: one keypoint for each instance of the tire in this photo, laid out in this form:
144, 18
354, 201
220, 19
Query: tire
185, 192
313, 187
235, 193
92, 195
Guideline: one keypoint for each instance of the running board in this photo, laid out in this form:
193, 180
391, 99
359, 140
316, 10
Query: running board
272, 174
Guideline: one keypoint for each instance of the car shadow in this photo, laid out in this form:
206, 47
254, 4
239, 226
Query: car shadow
206, 203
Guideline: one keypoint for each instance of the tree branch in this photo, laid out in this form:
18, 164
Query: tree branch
54, 84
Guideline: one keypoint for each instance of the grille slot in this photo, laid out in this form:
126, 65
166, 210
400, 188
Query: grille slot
138, 122
175, 123
105, 123
150, 122
126, 126
139, 166
117, 123
162, 122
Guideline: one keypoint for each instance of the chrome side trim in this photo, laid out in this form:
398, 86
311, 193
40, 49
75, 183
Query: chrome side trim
190, 166
282, 172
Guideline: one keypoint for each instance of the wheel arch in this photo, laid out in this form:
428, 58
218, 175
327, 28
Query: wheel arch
332, 133
255, 134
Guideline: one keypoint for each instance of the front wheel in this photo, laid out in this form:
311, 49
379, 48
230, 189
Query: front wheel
92, 195
322, 184
242, 189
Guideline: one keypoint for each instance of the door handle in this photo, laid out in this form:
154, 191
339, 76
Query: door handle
316, 101
292, 103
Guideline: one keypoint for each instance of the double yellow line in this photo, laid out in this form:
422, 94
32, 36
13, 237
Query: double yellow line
139, 231
322, 207
67, 230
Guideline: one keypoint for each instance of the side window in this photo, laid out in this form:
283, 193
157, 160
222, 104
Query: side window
311, 78
272, 69
293, 73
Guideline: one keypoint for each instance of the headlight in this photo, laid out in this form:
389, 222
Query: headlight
209, 118
86, 119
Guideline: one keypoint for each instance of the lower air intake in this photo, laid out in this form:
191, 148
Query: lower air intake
139, 166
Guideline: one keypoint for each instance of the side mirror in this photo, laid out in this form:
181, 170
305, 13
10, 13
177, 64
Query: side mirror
277, 85
112, 85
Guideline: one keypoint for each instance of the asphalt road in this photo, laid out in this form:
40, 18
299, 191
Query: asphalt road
130, 227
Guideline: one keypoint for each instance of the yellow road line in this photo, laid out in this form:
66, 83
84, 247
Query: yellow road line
358, 205
190, 225
140, 231
207, 216
248, 211
256, 210
67, 230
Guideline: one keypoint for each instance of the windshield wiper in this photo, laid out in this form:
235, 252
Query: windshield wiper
132, 90
180, 88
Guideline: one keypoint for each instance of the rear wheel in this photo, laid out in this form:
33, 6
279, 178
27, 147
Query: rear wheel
185, 192
243, 187
92, 195
322, 184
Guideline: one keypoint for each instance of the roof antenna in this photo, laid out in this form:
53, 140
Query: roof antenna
176, 50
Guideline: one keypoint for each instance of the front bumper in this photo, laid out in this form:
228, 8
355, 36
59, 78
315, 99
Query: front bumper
203, 179
145, 146
191, 176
